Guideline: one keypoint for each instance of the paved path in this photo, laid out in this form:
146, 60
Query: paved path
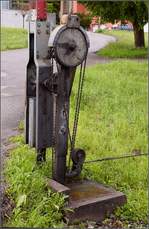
13, 66
98, 41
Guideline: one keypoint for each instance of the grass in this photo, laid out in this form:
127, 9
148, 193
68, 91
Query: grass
36, 205
113, 121
124, 47
12, 38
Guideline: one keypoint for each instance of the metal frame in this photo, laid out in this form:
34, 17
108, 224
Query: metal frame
38, 99
47, 109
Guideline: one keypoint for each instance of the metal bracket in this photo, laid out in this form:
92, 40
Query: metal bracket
38, 124
44, 101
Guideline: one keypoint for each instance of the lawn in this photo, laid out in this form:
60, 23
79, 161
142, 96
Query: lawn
124, 47
113, 121
12, 38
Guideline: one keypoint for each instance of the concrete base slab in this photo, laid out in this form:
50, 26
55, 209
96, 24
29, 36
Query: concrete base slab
90, 200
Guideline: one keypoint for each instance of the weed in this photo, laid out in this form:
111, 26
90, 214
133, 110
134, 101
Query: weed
17, 139
36, 205
21, 125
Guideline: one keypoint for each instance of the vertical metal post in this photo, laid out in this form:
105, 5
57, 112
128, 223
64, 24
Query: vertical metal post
30, 76
44, 72
65, 81
38, 126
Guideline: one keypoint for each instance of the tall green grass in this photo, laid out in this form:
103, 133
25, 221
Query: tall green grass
113, 121
12, 38
124, 46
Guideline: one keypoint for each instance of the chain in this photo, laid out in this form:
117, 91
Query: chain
77, 111
69, 134
76, 116
67, 120
54, 128
78, 103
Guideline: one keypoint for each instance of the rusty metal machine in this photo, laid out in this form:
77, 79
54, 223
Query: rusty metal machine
54, 55
53, 59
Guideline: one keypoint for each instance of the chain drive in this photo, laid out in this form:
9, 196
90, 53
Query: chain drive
72, 138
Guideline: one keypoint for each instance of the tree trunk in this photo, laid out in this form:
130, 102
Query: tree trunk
138, 36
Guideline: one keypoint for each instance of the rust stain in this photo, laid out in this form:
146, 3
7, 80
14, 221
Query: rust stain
85, 192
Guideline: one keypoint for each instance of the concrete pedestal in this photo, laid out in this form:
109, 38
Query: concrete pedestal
89, 200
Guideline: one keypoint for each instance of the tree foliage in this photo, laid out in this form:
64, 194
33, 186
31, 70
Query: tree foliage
134, 11
85, 20
53, 7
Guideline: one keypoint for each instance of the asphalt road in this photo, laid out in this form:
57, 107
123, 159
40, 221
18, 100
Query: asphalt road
13, 67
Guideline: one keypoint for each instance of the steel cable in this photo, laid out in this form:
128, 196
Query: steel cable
115, 158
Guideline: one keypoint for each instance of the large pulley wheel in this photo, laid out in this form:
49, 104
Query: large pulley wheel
70, 43
70, 47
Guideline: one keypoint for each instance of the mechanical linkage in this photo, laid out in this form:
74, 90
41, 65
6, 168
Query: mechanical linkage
54, 59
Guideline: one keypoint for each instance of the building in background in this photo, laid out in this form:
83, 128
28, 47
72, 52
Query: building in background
74, 7
15, 15
5, 4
